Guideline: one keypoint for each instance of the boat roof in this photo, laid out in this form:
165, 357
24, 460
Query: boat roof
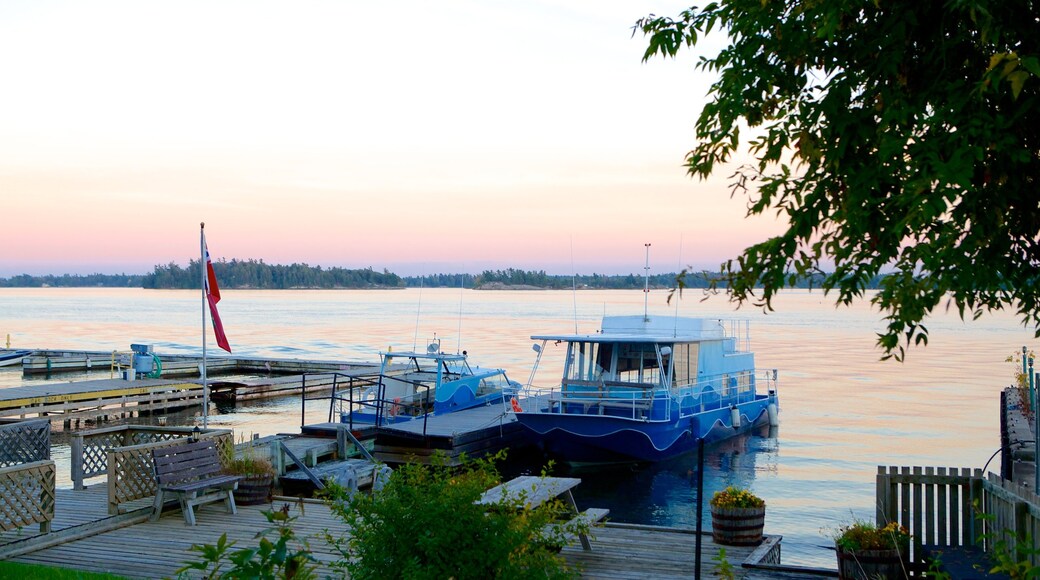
648, 329
424, 355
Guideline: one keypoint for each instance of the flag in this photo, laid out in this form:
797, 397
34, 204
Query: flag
213, 296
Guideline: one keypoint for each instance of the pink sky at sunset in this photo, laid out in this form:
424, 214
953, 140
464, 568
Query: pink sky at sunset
422, 138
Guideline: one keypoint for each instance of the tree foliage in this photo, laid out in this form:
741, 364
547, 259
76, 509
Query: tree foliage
900, 136
257, 274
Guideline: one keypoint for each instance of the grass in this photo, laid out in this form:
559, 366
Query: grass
37, 572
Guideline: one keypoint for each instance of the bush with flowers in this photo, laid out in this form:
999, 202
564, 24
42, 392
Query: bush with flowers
860, 535
735, 497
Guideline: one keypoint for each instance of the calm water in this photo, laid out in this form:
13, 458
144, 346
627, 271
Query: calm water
843, 412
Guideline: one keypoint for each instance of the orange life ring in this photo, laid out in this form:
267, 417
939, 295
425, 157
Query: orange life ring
516, 405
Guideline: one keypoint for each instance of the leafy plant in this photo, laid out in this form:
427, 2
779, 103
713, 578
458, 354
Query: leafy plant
734, 497
285, 557
862, 535
1009, 552
723, 568
248, 463
1021, 381
426, 523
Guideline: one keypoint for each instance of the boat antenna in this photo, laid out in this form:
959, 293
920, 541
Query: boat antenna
646, 286
418, 309
458, 345
574, 287
675, 328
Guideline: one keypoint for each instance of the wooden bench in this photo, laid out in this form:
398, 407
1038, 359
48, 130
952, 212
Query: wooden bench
192, 472
587, 518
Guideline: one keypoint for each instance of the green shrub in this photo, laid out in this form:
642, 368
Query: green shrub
425, 524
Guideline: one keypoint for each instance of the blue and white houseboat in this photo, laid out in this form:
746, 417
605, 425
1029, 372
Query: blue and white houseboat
646, 388
412, 385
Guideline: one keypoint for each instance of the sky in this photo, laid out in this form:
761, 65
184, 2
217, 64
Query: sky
418, 137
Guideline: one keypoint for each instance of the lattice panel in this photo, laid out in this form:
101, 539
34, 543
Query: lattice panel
133, 476
95, 451
25, 442
26, 495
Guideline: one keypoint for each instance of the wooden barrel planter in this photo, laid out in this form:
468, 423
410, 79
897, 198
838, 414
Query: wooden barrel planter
738, 526
254, 490
870, 564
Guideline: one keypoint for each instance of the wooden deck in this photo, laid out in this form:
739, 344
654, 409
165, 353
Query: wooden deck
136, 548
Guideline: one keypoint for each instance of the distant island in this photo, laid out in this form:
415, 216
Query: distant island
256, 274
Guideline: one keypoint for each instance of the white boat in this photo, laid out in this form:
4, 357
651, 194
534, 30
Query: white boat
12, 357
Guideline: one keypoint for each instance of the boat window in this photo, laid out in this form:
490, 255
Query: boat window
684, 364
589, 361
637, 363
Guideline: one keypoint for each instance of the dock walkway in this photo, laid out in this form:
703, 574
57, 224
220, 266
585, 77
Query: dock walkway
136, 548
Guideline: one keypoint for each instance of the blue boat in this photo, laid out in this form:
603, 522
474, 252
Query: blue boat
413, 385
647, 388
12, 357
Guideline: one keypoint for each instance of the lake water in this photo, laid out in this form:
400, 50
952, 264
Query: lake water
843, 411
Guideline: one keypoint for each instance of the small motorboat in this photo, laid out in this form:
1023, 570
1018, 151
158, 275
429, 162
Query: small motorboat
412, 385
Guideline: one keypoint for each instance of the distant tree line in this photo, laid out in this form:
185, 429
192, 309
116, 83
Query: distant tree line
702, 279
73, 281
256, 274
440, 281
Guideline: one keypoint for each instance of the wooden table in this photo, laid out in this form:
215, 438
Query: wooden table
536, 490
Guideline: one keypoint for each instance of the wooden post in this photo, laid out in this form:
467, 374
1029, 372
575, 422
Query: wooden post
76, 445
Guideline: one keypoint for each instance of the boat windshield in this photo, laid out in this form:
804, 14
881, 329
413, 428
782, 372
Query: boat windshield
622, 362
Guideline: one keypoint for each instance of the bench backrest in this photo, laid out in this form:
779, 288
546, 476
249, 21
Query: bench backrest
186, 462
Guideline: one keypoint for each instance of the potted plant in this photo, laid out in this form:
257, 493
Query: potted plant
866, 550
738, 517
257, 477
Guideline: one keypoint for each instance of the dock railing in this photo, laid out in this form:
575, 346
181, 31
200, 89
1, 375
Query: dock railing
27, 475
951, 507
124, 454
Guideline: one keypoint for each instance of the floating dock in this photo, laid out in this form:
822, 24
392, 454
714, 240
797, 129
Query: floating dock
43, 361
105, 399
476, 432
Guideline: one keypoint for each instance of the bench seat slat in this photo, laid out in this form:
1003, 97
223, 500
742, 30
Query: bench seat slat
221, 481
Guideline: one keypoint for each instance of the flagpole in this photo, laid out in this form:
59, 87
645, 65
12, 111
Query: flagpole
205, 380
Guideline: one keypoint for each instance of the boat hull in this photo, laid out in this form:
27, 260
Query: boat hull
8, 358
596, 439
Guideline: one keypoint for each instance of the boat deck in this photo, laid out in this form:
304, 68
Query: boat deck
131, 546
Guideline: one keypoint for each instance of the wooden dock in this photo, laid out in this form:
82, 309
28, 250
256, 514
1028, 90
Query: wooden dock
91, 399
173, 365
476, 432
104, 399
136, 548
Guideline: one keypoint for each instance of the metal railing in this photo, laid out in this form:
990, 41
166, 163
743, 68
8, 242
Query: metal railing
616, 397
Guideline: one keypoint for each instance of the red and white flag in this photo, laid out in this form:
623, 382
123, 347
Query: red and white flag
213, 296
